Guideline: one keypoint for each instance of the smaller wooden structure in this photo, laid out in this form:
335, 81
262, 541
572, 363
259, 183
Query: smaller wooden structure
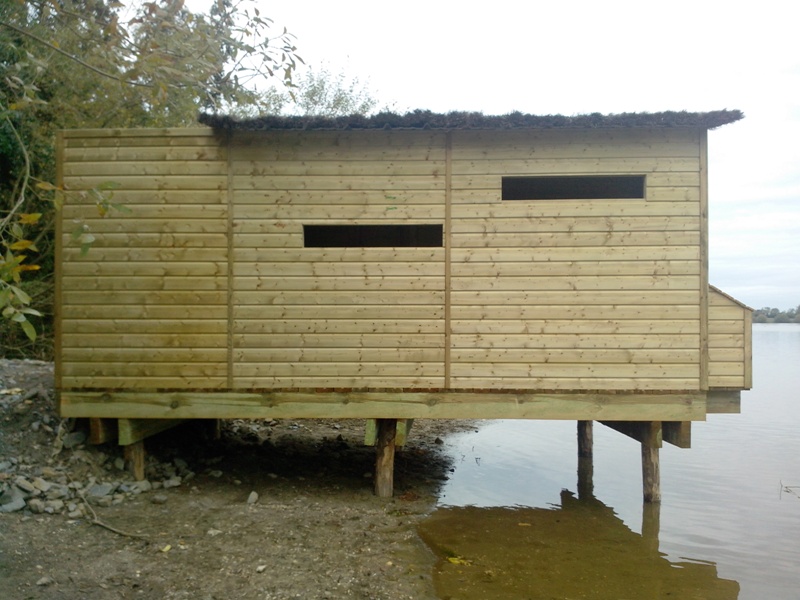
396, 267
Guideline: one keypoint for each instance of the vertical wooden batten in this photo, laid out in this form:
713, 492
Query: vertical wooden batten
748, 349
448, 209
704, 367
230, 283
58, 272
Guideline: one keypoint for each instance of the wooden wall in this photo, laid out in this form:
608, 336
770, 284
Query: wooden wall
339, 317
563, 294
537, 295
146, 307
729, 343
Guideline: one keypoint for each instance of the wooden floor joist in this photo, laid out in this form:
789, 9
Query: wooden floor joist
724, 402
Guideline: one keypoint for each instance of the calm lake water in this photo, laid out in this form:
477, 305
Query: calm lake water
510, 524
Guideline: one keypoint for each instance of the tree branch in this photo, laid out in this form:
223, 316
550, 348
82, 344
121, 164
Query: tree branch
71, 56
26, 174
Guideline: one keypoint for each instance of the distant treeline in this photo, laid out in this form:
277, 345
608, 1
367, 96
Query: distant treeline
776, 315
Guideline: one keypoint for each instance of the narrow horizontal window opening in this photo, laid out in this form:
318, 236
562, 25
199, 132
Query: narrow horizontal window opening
580, 187
373, 236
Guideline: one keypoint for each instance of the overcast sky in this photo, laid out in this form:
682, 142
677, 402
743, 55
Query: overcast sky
610, 57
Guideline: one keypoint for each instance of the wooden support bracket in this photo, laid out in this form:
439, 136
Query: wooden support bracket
135, 430
403, 431
644, 432
677, 433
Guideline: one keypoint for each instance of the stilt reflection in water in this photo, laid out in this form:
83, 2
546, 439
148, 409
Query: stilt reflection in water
580, 549
577, 549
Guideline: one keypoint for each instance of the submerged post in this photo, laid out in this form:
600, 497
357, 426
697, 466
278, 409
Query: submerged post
651, 524
651, 477
384, 457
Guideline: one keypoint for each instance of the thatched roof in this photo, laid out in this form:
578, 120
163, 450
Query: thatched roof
422, 119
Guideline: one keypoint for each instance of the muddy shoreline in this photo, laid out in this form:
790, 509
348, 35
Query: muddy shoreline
273, 510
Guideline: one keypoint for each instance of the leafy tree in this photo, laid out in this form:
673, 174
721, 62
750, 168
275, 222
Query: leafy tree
108, 63
316, 92
325, 94
775, 315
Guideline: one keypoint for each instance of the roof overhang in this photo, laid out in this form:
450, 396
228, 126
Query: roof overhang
421, 119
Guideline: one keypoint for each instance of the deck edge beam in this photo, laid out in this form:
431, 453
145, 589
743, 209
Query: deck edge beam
686, 406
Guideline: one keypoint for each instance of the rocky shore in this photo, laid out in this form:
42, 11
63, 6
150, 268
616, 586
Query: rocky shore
272, 510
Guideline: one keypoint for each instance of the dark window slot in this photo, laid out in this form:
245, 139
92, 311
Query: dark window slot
373, 236
582, 187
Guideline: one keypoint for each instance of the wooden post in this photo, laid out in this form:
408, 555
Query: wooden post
651, 473
651, 476
585, 439
134, 457
102, 431
214, 429
585, 460
384, 458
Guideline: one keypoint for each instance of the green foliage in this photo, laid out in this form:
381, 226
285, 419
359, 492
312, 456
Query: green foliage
324, 94
111, 63
108, 63
775, 315
315, 92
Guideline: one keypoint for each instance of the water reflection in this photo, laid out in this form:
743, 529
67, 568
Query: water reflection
723, 500
577, 549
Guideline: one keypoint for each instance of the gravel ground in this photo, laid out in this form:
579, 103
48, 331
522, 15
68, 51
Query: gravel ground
272, 510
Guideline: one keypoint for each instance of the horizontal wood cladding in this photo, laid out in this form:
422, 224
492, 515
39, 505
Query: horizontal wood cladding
576, 294
121, 169
729, 343
206, 283
341, 317
146, 306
